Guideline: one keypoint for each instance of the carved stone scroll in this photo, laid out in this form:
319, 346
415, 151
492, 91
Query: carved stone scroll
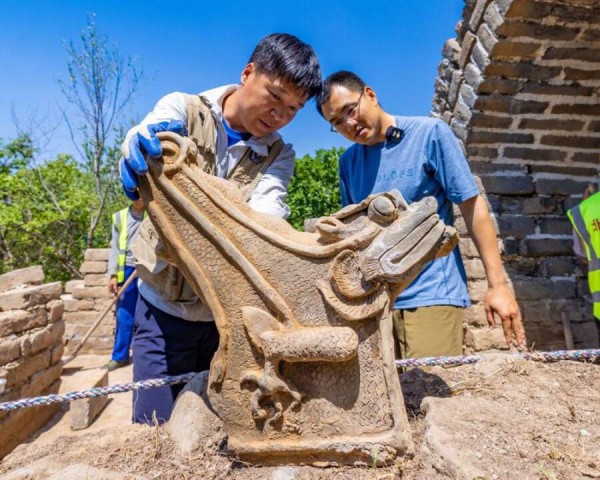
305, 369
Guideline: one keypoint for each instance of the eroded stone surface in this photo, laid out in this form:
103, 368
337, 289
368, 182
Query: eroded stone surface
305, 369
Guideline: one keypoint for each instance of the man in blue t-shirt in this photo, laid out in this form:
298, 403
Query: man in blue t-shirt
420, 157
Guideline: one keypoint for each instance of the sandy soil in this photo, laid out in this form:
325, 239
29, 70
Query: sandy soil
502, 418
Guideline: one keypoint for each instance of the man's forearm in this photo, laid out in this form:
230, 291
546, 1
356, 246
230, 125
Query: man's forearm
481, 229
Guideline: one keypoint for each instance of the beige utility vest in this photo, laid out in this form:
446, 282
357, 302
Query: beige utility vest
153, 265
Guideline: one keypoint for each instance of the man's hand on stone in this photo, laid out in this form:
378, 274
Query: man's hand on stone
142, 141
499, 300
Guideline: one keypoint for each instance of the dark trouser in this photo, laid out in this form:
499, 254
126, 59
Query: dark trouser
125, 313
165, 345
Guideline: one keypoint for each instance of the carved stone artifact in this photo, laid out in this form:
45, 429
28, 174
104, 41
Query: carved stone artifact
305, 369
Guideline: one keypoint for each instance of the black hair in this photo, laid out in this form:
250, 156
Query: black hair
287, 57
344, 78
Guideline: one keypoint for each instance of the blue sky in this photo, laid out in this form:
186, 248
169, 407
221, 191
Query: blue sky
191, 46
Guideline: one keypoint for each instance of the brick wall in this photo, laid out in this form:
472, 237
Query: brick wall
519, 86
85, 300
31, 329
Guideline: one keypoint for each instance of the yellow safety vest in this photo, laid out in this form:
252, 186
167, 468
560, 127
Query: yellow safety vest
120, 221
585, 218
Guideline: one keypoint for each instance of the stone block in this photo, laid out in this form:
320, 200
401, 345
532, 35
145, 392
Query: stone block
474, 269
96, 255
587, 157
42, 338
516, 225
480, 57
93, 267
28, 297
493, 17
84, 411
559, 225
457, 78
20, 370
483, 137
482, 339
91, 292
590, 35
468, 95
95, 280
477, 14
521, 266
86, 318
42, 380
24, 276
102, 304
57, 353
477, 290
465, 51
577, 109
472, 75
585, 335
10, 349
17, 321
564, 170
55, 309
594, 126
541, 247
467, 248
543, 288
475, 315
508, 184
451, 50
72, 285
487, 38
577, 74
550, 124
534, 153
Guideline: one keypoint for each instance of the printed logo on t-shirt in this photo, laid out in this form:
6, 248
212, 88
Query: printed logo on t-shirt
395, 174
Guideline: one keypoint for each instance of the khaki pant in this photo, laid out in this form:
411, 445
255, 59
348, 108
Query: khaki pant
428, 331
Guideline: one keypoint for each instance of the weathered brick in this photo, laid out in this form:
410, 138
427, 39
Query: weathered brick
468, 95
478, 136
479, 151
508, 184
578, 74
93, 267
582, 54
441, 87
516, 225
562, 186
536, 205
484, 339
505, 104
91, 292
461, 111
480, 119
480, 56
474, 269
511, 50
500, 85
534, 153
477, 290
583, 288
594, 126
87, 304
567, 169
540, 10
56, 352
543, 88
542, 288
526, 71
541, 247
521, 266
84, 411
477, 14
24, 298
559, 225
586, 157
550, 124
43, 338
512, 28
23, 276
455, 84
493, 17
17, 321
475, 315
96, 255
577, 109
590, 35
487, 38
101, 304
571, 141
56, 309
557, 266
495, 167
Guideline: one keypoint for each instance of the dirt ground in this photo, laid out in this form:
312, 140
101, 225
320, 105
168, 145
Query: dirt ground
502, 418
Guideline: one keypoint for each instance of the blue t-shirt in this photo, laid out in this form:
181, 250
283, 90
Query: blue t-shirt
233, 136
427, 162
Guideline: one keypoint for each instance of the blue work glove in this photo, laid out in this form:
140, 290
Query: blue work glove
144, 141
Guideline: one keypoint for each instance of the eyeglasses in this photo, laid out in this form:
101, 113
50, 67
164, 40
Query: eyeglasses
352, 113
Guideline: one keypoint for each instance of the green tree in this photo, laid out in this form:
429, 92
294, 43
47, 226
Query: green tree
43, 211
314, 190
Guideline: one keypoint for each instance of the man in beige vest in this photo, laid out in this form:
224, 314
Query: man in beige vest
235, 126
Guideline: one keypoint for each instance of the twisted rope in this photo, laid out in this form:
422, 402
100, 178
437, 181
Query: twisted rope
578, 355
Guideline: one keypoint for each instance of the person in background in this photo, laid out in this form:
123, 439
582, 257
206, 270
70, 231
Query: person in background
121, 264
420, 157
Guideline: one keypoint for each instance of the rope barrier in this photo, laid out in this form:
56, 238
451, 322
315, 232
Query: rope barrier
577, 355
